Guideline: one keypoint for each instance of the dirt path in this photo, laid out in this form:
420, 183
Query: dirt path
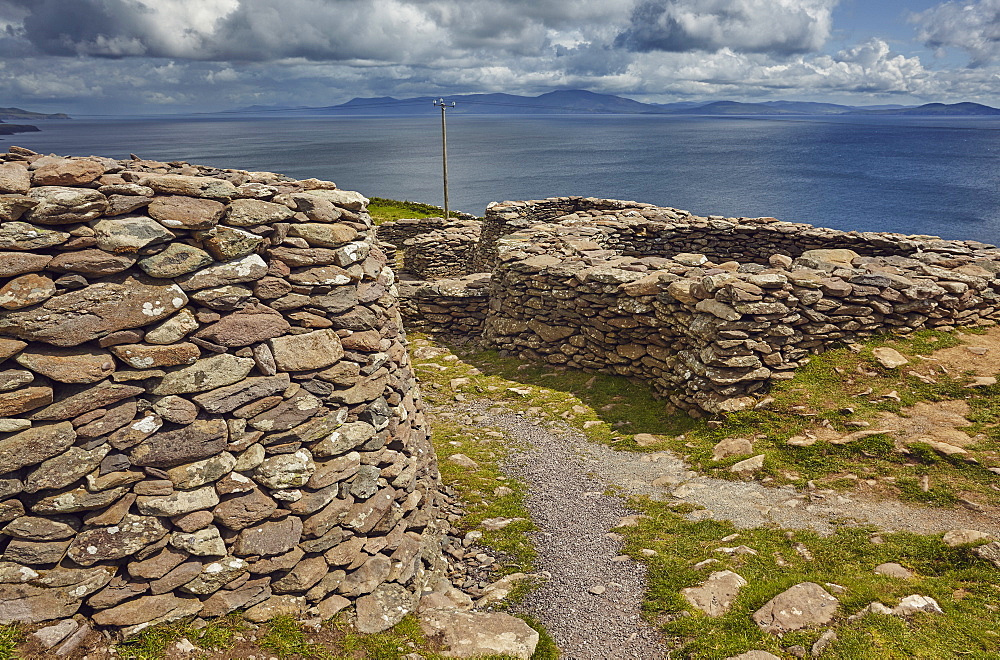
568, 476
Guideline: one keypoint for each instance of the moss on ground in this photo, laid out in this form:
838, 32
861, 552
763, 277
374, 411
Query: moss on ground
386, 210
965, 587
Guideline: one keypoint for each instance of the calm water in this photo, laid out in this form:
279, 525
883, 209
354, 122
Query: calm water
917, 176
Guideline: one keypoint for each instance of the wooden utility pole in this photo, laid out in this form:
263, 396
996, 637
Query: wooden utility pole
444, 150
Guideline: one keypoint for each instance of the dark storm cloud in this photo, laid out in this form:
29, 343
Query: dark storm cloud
783, 27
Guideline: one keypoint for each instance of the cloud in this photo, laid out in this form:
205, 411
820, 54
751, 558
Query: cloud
755, 26
970, 26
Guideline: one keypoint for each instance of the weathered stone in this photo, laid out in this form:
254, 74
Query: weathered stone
229, 398
173, 329
91, 262
84, 400
178, 259
199, 473
365, 515
715, 596
12, 379
13, 424
205, 542
748, 465
191, 186
311, 350
26, 290
118, 303
27, 604
247, 326
216, 575
324, 235
364, 579
990, 552
147, 356
321, 276
917, 603
25, 236
122, 204
889, 357
40, 529
35, 553
348, 437
158, 565
49, 636
288, 414
224, 298
225, 243
13, 207
23, 400
67, 172
225, 601
268, 539
60, 206
464, 634
76, 500
127, 234
893, 570
68, 365
148, 610
176, 578
284, 605
62, 470
176, 409
285, 470
252, 212
126, 538
136, 432
243, 269
14, 178
35, 445
198, 440
335, 470
10, 347
205, 374
179, 212
244, 510
19, 263
804, 605
305, 574
192, 522
956, 537
279, 563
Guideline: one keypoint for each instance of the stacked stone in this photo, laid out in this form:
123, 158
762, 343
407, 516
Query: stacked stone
456, 306
205, 400
713, 335
442, 253
503, 218
391, 235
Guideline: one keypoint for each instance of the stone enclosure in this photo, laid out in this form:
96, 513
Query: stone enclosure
709, 311
205, 400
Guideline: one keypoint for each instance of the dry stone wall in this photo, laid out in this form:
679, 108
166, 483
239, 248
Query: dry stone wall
443, 252
657, 294
456, 306
205, 400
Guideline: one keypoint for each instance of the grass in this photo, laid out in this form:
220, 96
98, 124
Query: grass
219, 635
10, 637
386, 210
612, 410
964, 586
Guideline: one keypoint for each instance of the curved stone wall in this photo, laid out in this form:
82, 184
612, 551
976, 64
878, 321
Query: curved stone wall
660, 295
205, 400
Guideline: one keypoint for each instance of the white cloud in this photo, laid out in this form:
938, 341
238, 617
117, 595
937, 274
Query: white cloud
970, 26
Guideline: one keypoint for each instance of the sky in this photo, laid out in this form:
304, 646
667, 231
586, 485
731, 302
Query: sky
173, 56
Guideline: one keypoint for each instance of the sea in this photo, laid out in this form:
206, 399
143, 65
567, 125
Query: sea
913, 175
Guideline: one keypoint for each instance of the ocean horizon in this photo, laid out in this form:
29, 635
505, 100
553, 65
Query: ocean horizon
913, 175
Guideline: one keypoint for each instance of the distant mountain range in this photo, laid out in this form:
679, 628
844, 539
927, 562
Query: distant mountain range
18, 113
581, 101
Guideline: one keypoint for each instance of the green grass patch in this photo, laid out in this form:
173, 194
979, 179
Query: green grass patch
961, 583
219, 635
286, 639
386, 210
10, 637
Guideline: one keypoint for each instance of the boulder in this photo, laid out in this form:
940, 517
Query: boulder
715, 596
473, 634
805, 605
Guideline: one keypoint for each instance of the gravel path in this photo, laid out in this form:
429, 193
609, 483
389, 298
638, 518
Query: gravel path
577, 549
567, 477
